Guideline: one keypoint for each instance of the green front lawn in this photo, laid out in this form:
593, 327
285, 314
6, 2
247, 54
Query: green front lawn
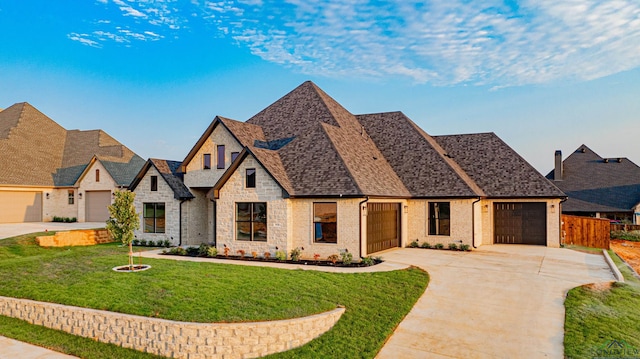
208, 292
601, 320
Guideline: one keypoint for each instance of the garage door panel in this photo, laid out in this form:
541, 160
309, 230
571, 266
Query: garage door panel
520, 223
383, 226
16, 206
97, 206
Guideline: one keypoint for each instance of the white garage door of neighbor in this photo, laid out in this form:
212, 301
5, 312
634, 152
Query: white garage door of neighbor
20, 207
96, 206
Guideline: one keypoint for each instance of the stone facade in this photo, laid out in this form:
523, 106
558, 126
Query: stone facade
58, 204
88, 183
278, 211
164, 194
196, 175
460, 225
87, 237
174, 339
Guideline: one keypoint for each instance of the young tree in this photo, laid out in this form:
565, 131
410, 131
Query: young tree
124, 220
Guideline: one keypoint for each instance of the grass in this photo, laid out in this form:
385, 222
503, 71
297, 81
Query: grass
208, 292
633, 236
597, 316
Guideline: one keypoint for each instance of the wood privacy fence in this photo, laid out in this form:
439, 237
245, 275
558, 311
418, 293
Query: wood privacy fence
625, 227
586, 231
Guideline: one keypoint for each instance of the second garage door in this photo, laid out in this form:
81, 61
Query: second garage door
96, 206
520, 223
18, 207
383, 226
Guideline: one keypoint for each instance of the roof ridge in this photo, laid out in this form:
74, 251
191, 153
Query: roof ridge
344, 164
449, 161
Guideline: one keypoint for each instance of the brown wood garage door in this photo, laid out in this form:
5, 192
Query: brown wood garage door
520, 223
383, 226
18, 207
96, 206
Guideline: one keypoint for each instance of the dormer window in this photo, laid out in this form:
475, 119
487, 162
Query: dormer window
220, 157
251, 178
206, 161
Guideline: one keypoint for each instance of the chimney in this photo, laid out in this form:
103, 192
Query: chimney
557, 171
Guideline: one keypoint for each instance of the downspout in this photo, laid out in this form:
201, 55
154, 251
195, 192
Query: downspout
473, 223
560, 221
360, 225
180, 223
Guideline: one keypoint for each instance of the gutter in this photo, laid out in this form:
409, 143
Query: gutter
360, 225
473, 223
560, 221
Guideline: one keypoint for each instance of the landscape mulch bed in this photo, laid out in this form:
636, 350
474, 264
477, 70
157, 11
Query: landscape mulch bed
310, 262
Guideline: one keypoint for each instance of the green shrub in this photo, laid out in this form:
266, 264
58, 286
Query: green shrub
143, 242
281, 255
203, 250
465, 247
166, 243
212, 252
177, 251
346, 257
296, 253
414, 244
628, 236
425, 245
439, 246
452, 246
135, 242
192, 251
57, 219
151, 244
367, 261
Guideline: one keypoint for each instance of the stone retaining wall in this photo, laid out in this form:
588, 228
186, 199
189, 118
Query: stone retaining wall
174, 339
86, 237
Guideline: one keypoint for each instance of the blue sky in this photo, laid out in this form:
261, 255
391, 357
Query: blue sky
543, 75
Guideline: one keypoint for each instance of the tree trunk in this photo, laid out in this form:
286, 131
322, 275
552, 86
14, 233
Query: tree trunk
130, 256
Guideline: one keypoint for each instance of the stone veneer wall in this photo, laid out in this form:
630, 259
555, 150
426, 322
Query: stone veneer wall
171, 338
165, 195
266, 190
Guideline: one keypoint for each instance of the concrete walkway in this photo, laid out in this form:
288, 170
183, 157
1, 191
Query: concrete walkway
13, 349
501, 301
8, 230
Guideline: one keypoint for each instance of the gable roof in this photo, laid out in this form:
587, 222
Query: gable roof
170, 172
39, 152
313, 147
596, 184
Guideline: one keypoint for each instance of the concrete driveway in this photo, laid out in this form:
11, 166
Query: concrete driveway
501, 301
15, 229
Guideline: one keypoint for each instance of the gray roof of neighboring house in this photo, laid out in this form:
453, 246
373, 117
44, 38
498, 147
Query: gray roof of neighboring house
596, 184
170, 172
312, 146
36, 151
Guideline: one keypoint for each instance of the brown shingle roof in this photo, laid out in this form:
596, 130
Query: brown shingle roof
497, 169
170, 172
36, 151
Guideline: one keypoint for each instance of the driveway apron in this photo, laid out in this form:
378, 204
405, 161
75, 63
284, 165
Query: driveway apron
501, 301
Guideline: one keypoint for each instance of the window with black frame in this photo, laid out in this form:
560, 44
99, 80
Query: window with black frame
154, 221
325, 222
251, 221
439, 218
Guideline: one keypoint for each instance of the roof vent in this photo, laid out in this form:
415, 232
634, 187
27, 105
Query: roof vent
606, 160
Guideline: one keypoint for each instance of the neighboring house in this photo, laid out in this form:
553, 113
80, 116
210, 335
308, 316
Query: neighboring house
47, 171
598, 187
305, 172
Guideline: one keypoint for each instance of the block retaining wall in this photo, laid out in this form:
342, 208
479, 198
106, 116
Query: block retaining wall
83, 237
171, 338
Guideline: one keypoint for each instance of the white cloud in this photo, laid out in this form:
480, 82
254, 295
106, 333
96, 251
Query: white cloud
445, 42
83, 39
